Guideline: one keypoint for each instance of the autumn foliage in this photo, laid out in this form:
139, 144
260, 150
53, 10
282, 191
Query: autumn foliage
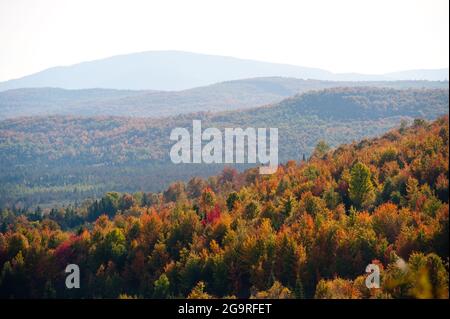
307, 231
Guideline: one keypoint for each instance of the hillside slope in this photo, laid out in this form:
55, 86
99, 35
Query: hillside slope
225, 96
309, 230
66, 158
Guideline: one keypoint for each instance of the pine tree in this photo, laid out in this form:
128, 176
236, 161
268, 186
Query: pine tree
361, 190
413, 194
299, 290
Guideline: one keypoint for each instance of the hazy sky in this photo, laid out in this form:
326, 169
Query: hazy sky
363, 36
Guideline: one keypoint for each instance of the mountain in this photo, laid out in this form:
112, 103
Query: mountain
224, 96
59, 158
430, 75
176, 70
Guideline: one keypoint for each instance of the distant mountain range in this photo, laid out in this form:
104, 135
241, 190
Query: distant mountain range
176, 70
224, 96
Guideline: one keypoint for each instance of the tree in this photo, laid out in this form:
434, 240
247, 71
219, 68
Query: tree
361, 190
413, 194
287, 259
423, 277
251, 210
126, 202
277, 291
161, 287
207, 199
195, 187
198, 292
403, 126
17, 243
231, 200
107, 205
299, 291
14, 280
331, 198
311, 204
113, 247
337, 289
321, 149
175, 192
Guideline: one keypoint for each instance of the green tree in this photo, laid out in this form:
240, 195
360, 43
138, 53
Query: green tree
251, 210
299, 291
361, 190
231, 200
113, 247
413, 193
161, 287
331, 198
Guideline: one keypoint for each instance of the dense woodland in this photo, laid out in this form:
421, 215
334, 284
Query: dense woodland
59, 159
308, 231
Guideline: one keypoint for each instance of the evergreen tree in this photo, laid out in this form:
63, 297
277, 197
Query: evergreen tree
361, 190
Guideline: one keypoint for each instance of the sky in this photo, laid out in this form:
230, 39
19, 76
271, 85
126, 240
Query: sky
363, 36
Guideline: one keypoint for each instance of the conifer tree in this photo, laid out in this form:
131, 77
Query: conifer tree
361, 190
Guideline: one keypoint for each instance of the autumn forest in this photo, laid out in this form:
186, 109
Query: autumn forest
307, 231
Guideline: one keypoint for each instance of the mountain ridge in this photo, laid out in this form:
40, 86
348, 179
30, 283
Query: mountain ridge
223, 96
178, 70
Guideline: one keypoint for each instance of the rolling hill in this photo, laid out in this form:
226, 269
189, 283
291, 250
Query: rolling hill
224, 96
58, 158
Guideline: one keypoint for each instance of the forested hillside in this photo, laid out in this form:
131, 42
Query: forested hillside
225, 96
308, 230
55, 159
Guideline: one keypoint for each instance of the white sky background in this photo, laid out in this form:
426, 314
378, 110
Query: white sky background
364, 36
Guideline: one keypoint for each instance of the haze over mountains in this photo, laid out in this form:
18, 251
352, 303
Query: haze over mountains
224, 96
176, 70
